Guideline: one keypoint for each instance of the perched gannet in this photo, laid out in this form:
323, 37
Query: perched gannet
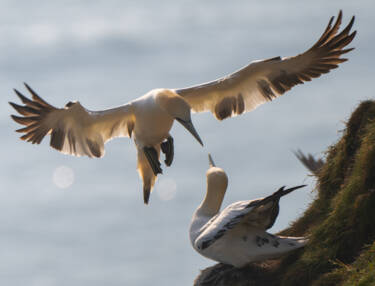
237, 235
78, 131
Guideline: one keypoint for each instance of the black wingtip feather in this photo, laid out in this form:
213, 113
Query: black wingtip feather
25, 110
349, 26
23, 98
25, 120
36, 97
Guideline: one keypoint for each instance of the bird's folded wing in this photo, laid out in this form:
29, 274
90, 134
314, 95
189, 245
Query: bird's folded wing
224, 221
74, 130
264, 80
259, 213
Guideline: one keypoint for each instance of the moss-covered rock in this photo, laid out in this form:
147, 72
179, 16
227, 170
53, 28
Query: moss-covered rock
340, 222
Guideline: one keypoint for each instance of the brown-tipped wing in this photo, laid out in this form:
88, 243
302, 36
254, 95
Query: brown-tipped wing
262, 81
74, 130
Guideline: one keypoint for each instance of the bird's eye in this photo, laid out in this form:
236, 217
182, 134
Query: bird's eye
69, 104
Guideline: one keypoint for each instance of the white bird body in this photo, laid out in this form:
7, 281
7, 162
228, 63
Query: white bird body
237, 235
152, 123
239, 246
77, 131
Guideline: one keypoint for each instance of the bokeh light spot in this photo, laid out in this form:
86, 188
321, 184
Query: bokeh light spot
166, 189
63, 177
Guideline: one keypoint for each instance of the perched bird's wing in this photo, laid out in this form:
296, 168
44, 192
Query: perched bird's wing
310, 162
264, 80
260, 213
219, 224
74, 130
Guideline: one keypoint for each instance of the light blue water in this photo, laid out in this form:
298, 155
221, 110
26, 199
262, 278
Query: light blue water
105, 53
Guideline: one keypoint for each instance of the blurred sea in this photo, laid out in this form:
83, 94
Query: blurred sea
96, 230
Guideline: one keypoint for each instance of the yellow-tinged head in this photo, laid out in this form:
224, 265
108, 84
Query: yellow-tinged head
217, 183
175, 105
217, 179
178, 108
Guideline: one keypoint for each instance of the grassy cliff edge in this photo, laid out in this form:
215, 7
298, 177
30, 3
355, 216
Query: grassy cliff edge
340, 221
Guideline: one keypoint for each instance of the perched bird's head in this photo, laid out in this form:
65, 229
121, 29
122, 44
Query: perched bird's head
217, 179
178, 108
217, 182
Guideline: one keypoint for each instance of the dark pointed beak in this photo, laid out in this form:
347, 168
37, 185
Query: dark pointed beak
211, 162
190, 127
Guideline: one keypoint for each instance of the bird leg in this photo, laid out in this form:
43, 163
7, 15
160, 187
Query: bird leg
167, 148
153, 160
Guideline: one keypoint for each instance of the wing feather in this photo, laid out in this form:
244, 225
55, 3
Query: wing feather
265, 80
259, 213
74, 130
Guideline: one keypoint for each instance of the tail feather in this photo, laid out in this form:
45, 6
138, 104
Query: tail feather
282, 192
146, 173
146, 194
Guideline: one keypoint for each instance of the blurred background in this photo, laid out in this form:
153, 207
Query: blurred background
67, 221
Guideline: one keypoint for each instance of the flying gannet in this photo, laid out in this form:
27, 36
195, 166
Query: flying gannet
237, 235
77, 131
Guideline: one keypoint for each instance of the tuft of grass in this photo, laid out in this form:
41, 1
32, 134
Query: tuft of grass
360, 273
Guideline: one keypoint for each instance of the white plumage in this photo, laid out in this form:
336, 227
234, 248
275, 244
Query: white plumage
264, 80
237, 235
77, 131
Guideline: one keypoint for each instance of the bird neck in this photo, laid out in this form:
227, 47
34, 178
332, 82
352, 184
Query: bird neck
212, 201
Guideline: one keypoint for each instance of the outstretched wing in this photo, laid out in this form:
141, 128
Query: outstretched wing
260, 213
264, 80
74, 130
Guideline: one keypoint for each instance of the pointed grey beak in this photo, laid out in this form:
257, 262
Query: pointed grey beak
190, 127
211, 162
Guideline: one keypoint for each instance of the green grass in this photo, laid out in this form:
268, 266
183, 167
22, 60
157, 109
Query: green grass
340, 222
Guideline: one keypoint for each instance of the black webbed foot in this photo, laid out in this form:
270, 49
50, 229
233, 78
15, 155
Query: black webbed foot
167, 148
152, 157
